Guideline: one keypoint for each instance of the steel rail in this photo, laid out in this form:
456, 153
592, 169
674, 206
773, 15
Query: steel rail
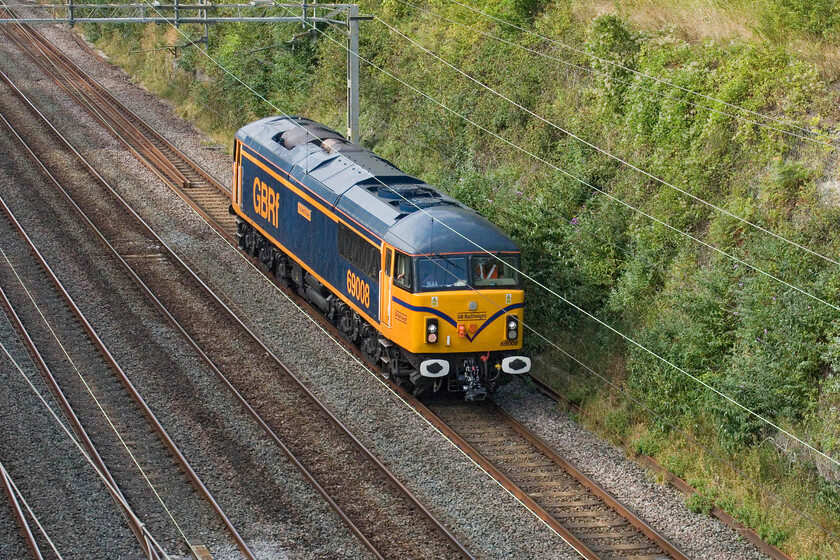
138, 128
649, 462
19, 515
118, 124
497, 475
134, 522
527, 500
392, 479
121, 121
175, 452
592, 486
568, 535
229, 235
150, 157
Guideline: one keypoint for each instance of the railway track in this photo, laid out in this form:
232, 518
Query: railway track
143, 467
371, 501
40, 474
19, 514
587, 517
152, 149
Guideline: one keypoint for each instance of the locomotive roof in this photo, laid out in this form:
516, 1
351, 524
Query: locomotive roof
370, 189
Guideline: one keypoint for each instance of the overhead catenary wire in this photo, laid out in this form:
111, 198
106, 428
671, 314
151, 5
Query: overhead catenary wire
623, 81
173, 449
627, 338
225, 70
737, 260
113, 491
228, 72
604, 152
642, 74
92, 394
633, 399
531, 50
354, 358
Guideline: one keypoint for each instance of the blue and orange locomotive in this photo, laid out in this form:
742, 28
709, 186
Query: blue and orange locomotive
427, 288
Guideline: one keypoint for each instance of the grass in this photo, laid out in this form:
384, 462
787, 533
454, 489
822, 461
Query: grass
695, 20
721, 20
612, 263
761, 487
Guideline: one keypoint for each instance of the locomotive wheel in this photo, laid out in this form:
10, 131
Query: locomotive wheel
281, 271
250, 241
256, 245
371, 349
347, 325
266, 257
242, 234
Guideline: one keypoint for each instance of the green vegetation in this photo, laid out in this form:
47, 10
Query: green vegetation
729, 314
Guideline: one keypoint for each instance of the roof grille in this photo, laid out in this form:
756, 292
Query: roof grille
305, 133
401, 192
409, 198
410, 205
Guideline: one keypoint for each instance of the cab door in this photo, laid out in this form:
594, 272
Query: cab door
387, 284
237, 173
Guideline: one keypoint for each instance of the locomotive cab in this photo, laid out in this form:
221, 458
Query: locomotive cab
457, 314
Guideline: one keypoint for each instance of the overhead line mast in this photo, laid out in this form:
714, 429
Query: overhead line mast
202, 12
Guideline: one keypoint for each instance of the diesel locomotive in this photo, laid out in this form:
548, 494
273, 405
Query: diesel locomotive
427, 288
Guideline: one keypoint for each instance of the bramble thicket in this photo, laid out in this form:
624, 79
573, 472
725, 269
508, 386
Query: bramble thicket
736, 309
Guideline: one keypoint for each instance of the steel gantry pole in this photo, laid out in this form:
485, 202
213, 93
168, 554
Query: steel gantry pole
353, 74
353, 19
207, 12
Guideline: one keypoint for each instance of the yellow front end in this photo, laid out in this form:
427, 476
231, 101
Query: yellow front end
468, 321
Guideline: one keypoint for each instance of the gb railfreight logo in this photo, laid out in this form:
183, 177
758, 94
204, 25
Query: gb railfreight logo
266, 201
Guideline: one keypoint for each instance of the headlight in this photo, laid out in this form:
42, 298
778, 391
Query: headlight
432, 328
512, 325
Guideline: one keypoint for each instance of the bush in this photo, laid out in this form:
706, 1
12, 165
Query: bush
819, 18
768, 346
698, 503
616, 50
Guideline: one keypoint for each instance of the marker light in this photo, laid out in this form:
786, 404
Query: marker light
431, 330
513, 327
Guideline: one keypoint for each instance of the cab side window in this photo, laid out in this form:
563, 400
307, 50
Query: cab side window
402, 270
